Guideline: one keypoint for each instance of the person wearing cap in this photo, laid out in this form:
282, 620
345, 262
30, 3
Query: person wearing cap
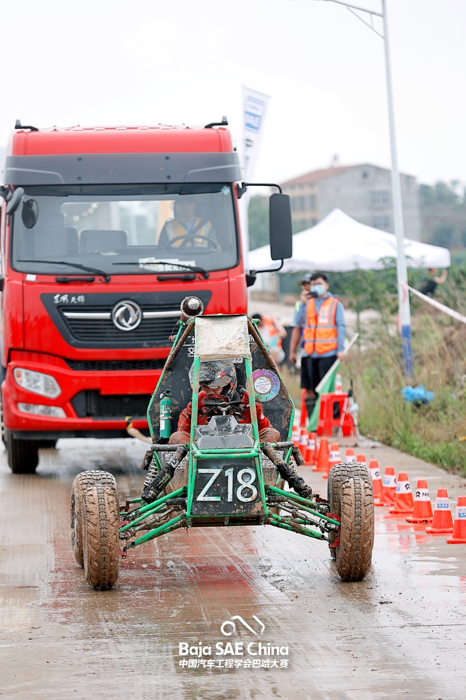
218, 380
272, 333
186, 224
320, 327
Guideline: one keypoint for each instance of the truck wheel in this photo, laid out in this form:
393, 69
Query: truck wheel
351, 498
100, 519
23, 455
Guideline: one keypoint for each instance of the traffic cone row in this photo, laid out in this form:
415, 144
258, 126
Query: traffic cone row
391, 491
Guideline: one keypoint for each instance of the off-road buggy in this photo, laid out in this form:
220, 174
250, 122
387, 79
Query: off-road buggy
225, 476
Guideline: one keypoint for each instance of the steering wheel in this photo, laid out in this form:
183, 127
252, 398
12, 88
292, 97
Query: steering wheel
219, 402
213, 246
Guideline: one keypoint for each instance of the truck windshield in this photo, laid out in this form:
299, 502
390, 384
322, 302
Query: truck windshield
125, 229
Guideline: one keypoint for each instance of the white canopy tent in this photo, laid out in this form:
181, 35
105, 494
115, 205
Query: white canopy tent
338, 243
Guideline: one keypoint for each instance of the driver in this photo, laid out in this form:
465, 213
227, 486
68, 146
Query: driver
185, 224
217, 379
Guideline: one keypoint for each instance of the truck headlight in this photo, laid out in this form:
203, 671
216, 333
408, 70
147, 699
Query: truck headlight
38, 383
38, 410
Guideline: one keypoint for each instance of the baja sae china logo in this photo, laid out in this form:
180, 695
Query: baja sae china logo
231, 654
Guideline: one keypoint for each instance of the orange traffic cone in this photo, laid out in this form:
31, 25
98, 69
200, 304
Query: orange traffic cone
334, 457
310, 457
404, 502
322, 457
361, 459
376, 481
303, 442
388, 487
350, 456
295, 435
443, 521
422, 511
459, 526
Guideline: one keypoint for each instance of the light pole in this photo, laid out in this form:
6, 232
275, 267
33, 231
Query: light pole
401, 268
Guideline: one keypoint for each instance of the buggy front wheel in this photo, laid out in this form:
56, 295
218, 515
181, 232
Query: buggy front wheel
100, 533
351, 498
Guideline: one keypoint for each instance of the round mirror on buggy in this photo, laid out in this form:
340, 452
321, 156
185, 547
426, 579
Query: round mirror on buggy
191, 307
351, 498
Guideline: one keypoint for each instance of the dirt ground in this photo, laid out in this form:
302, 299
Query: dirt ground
399, 633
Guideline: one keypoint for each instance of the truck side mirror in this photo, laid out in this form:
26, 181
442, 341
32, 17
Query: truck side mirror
281, 232
15, 200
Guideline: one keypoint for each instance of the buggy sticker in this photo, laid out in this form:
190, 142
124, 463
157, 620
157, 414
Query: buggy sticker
266, 384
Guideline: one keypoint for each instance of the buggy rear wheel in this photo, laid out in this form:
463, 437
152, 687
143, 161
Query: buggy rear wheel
100, 519
351, 498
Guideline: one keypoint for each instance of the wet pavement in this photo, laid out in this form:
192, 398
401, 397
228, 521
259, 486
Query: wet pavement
399, 633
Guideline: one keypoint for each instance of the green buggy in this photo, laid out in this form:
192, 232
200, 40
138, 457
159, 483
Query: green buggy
224, 476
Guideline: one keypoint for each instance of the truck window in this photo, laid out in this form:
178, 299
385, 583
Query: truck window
125, 229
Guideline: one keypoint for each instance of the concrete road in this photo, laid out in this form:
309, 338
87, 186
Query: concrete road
399, 633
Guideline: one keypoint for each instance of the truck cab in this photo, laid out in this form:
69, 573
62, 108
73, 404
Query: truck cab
103, 232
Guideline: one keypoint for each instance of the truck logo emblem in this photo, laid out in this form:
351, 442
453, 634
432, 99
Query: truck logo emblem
126, 315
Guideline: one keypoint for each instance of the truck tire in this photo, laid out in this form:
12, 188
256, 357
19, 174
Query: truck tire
23, 455
351, 498
100, 519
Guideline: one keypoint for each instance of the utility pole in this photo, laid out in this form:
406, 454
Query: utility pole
401, 267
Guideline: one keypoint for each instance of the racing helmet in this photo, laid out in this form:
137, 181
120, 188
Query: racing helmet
217, 374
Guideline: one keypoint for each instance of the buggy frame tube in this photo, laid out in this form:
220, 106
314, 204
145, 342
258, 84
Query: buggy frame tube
132, 523
172, 524
292, 497
277, 521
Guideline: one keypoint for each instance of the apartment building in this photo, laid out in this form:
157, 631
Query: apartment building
361, 191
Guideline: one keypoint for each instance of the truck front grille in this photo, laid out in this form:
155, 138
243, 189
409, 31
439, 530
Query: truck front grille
91, 404
115, 365
96, 323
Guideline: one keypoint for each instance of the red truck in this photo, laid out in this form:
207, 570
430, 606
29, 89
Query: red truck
103, 232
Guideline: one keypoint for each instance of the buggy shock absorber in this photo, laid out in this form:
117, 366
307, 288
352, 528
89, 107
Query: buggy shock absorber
150, 467
164, 476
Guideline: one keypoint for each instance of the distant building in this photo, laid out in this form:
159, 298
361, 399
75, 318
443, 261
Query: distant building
361, 191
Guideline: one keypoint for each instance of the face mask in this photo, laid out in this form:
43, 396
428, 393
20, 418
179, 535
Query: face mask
317, 290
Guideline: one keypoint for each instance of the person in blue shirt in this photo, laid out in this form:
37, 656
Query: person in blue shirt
320, 329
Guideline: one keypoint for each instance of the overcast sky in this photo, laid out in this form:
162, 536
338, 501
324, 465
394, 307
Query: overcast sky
148, 61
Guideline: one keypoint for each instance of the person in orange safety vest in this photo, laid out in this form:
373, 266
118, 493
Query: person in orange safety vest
272, 333
320, 327
189, 227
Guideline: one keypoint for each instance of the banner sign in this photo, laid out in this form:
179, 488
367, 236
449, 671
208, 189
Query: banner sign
254, 111
438, 305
